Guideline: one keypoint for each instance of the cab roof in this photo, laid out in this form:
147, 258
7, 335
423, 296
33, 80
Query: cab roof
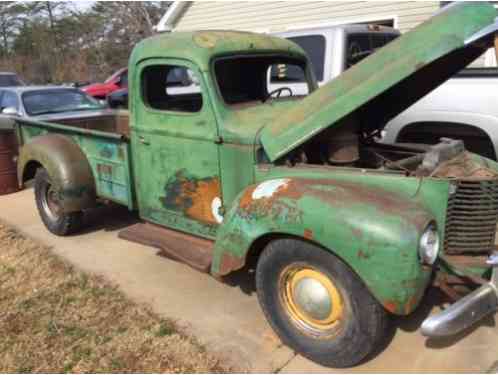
201, 46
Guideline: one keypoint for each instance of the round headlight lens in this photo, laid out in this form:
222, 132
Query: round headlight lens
428, 248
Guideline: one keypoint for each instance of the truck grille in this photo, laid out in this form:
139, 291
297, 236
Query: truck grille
471, 217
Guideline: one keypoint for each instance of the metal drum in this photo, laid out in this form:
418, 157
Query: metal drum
8, 153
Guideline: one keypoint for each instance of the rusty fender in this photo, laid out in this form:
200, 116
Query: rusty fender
374, 231
66, 165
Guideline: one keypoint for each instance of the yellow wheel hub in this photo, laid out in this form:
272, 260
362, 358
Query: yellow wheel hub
311, 298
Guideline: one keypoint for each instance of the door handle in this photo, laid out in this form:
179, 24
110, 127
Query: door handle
143, 140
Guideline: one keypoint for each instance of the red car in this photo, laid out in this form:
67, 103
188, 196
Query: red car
115, 82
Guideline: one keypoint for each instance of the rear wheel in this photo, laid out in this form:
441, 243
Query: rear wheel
48, 203
317, 305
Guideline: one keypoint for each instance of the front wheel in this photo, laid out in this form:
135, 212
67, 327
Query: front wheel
48, 203
317, 305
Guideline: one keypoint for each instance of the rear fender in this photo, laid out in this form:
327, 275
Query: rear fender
374, 232
66, 165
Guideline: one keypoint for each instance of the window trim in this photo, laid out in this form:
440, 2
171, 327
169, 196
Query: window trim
346, 21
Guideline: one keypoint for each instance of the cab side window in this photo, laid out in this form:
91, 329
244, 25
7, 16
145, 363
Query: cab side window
171, 88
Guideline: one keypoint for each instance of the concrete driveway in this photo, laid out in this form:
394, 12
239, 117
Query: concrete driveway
226, 316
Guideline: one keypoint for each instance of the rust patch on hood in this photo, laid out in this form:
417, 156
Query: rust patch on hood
466, 165
332, 193
192, 196
265, 199
246, 199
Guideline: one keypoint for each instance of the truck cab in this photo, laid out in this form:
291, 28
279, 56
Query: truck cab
228, 172
195, 120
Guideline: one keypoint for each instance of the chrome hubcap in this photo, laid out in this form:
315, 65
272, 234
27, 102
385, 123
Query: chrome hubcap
312, 298
51, 203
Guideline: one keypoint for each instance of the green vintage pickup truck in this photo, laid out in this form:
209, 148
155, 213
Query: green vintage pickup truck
228, 173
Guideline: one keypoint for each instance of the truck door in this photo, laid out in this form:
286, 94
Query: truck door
175, 150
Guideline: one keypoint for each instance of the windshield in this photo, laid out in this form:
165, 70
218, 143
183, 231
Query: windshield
9, 80
55, 101
257, 79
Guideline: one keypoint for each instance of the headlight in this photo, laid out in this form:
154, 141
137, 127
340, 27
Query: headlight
428, 247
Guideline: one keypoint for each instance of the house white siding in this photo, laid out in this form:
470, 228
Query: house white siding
271, 16
275, 16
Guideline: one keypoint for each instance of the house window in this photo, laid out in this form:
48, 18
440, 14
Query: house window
387, 22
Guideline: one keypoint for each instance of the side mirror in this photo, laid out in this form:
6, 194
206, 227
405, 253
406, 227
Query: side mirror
10, 111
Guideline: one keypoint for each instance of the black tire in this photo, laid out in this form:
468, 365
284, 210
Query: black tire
363, 323
56, 221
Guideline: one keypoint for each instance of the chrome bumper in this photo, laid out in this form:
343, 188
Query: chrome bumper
466, 311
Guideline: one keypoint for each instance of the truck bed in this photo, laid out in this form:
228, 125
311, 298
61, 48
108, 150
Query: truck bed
104, 139
116, 122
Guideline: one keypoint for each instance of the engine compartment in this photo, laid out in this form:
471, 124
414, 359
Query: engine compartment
347, 146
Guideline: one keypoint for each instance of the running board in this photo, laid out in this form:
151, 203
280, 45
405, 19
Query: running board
194, 251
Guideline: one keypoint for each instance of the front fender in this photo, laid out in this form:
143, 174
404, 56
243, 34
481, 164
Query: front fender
373, 231
66, 165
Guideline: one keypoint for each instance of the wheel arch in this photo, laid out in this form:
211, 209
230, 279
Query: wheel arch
67, 166
475, 138
446, 124
258, 245
29, 171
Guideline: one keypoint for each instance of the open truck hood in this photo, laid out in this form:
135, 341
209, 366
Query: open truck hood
390, 80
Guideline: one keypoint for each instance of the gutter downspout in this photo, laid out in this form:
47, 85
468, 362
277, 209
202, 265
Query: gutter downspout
167, 22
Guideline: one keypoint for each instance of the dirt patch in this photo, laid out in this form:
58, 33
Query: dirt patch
54, 318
